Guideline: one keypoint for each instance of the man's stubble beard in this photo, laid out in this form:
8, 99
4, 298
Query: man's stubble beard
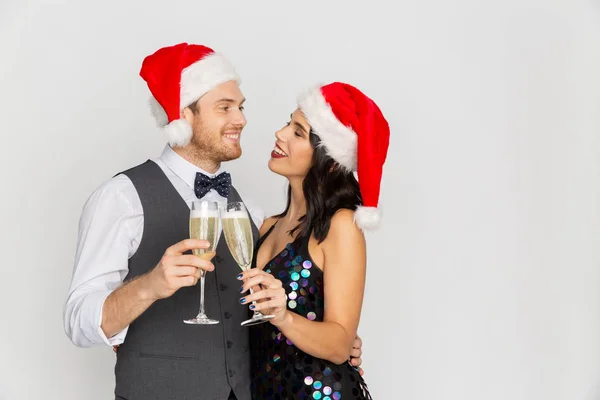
205, 146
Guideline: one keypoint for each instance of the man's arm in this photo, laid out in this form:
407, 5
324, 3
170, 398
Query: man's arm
174, 271
109, 227
95, 313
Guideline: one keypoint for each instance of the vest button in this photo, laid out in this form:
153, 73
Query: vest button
227, 315
230, 373
229, 344
223, 287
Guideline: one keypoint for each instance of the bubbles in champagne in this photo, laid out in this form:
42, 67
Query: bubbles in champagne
238, 235
204, 224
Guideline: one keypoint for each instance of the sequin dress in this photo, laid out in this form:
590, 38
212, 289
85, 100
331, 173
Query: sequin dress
280, 370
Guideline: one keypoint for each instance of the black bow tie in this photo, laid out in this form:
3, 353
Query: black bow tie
203, 184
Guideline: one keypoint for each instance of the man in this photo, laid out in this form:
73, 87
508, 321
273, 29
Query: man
134, 280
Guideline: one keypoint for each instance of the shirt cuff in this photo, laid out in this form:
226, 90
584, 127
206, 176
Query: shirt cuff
96, 303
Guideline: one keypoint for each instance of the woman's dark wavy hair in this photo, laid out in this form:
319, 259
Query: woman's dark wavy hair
327, 188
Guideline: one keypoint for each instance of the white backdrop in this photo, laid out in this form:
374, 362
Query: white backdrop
483, 282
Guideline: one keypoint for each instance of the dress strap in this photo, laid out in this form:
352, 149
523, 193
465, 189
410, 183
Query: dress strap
262, 239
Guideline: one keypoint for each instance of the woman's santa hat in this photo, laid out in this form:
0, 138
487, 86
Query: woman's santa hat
177, 77
355, 134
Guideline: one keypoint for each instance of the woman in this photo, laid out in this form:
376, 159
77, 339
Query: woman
313, 253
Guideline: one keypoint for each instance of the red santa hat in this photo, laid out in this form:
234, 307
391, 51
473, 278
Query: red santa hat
355, 134
177, 77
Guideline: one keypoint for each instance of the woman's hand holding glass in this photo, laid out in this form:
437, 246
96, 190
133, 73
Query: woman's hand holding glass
269, 294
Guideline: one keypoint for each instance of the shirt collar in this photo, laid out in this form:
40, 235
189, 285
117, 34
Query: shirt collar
184, 169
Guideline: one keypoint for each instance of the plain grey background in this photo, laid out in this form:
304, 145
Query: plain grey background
483, 282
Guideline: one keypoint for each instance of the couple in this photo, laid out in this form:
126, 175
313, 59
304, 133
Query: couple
134, 280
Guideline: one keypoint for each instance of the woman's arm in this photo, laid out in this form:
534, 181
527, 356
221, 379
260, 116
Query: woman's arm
344, 270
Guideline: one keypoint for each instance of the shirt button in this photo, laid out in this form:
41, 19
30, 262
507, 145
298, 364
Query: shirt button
227, 315
218, 259
223, 287
229, 344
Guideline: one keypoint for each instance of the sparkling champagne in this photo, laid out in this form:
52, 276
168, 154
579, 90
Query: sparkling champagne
204, 224
238, 235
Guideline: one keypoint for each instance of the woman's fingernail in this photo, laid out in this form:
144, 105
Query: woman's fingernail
242, 289
239, 276
242, 300
252, 307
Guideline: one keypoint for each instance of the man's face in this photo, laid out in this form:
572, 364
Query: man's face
217, 123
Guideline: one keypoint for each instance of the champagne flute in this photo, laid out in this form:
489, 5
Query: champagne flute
238, 235
204, 224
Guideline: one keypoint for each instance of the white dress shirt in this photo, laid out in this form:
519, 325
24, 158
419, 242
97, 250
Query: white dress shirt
110, 231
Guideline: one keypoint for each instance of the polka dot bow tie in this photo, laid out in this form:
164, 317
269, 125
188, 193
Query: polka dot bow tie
203, 184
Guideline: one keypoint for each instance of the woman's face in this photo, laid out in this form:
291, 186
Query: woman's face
292, 155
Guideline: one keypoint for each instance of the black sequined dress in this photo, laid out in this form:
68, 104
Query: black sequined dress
280, 370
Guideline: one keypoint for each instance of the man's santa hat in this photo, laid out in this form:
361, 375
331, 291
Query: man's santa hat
177, 77
355, 134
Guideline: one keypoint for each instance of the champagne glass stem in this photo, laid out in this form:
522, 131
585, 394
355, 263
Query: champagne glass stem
202, 279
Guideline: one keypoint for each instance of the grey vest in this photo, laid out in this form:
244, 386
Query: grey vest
162, 358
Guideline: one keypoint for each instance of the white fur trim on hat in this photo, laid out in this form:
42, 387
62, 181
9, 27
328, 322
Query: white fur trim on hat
205, 75
339, 140
367, 218
178, 133
158, 112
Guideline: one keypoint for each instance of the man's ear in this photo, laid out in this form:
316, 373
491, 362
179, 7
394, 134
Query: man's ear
188, 115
